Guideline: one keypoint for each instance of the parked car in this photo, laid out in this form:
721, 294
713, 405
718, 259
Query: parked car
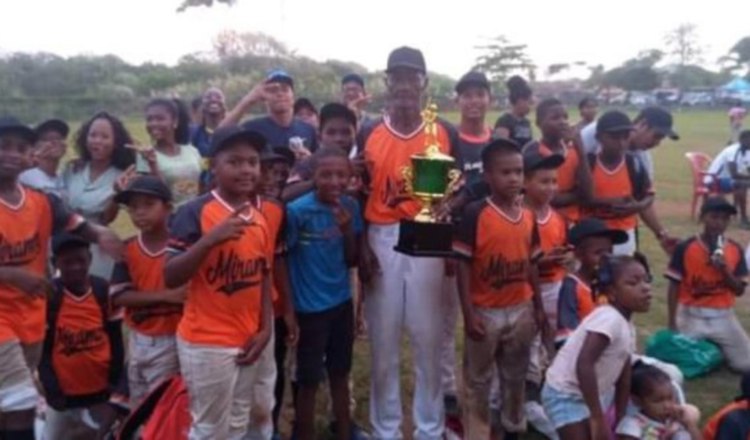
641, 99
697, 99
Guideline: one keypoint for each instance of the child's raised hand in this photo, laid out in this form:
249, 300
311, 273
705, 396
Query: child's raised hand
474, 326
231, 228
123, 180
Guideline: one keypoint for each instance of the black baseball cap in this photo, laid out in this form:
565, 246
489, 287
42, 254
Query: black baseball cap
353, 77
718, 204
406, 57
56, 125
336, 110
613, 121
278, 154
67, 240
660, 120
593, 227
146, 185
9, 124
280, 76
227, 136
472, 78
533, 160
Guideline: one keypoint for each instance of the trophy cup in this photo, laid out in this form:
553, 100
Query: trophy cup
430, 178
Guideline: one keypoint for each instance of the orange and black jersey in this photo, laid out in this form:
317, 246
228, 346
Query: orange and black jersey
25, 232
501, 251
567, 174
223, 305
700, 283
553, 233
143, 271
575, 302
628, 179
83, 353
387, 153
273, 211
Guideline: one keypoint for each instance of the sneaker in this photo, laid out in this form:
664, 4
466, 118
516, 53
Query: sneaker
451, 405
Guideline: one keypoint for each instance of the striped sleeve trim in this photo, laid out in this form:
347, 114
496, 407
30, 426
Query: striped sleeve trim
673, 275
463, 249
116, 289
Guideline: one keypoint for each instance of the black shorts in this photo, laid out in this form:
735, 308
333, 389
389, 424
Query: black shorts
326, 340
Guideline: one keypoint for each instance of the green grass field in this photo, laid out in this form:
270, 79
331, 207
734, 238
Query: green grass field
699, 131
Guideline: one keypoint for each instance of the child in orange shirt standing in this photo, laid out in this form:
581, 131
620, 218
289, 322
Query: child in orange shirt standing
152, 311
220, 246
499, 292
707, 272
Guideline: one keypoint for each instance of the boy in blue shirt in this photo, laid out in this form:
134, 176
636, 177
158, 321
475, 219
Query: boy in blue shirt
322, 243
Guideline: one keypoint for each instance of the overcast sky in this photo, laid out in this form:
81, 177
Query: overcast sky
447, 31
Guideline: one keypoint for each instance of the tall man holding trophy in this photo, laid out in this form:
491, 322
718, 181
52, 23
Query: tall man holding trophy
406, 154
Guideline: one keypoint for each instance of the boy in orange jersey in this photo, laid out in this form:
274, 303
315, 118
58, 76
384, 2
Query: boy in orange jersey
621, 186
83, 356
499, 290
28, 218
707, 272
220, 246
152, 311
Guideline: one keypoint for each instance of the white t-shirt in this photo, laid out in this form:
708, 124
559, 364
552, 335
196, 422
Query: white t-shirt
181, 172
720, 165
591, 146
39, 180
607, 321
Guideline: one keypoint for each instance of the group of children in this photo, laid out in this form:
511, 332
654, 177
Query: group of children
547, 279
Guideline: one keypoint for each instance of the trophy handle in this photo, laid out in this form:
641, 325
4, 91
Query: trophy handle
454, 179
408, 174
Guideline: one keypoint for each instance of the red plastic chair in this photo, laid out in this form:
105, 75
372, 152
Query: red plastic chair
699, 163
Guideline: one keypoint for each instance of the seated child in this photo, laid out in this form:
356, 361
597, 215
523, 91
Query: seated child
660, 415
83, 356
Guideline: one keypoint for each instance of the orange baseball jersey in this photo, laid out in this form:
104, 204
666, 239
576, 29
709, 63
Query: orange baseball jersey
223, 305
387, 154
575, 302
566, 175
553, 233
700, 283
143, 271
501, 251
25, 232
273, 211
81, 353
615, 183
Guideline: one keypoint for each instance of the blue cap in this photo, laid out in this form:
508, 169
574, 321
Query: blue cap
280, 76
355, 78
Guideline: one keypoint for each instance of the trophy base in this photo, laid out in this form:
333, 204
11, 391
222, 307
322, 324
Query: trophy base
419, 239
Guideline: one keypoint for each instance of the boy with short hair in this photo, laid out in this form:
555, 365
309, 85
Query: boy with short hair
591, 240
621, 186
706, 273
498, 286
83, 356
28, 218
152, 311
49, 150
322, 244
220, 246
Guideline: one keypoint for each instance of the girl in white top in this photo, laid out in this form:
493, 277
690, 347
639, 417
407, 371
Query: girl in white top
171, 158
594, 364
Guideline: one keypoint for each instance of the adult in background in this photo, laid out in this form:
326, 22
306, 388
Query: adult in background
588, 109
736, 119
354, 96
650, 127
402, 291
103, 166
171, 157
279, 127
213, 110
515, 124
729, 172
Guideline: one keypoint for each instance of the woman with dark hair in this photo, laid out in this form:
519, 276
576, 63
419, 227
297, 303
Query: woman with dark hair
92, 179
171, 157
515, 124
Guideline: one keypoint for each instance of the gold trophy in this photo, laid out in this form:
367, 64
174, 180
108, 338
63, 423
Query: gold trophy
430, 178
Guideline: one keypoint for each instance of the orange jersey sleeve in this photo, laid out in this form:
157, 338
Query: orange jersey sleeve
501, 251
25, 232
273, 211
223, 305
143, 271
387, 154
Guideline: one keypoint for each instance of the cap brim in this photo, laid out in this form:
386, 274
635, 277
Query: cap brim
616, 129
669, 133
617, 236
403, 65
124, 197
729, 209
551, 162
252, 137
57, 125
281, 79
24, 131
462, 86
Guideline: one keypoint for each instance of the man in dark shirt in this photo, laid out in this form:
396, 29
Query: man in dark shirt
280, 127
